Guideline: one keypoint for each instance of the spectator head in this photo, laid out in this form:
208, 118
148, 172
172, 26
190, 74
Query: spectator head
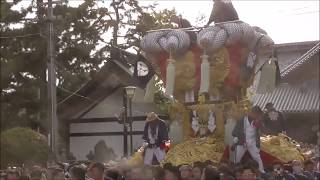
185, 171
151, 116
309, 165
296, 167
269, 106
197, 170
208, 162
225, 171
78, 173
278, 170
238, 172
24, 177
35, 173
256, 112
113, 174
248, 173
170, 172
12, 175
210, 173
287, 168
255, 166
57, 174
158, 173
96, 171
140, 173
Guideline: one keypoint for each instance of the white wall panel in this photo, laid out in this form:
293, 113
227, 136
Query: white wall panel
111, 106
96, 127
138, 125
103, 127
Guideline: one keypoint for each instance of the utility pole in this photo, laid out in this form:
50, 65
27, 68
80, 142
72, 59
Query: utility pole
52, 96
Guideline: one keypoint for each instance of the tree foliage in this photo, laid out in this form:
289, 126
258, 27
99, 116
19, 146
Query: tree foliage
84, 37
23, 146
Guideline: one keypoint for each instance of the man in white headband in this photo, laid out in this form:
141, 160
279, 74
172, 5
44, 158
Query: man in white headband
155, 135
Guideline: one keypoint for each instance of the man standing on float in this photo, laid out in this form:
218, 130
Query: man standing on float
155, 135
246, 135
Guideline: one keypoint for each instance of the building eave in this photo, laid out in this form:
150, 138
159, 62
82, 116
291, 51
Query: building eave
300, 61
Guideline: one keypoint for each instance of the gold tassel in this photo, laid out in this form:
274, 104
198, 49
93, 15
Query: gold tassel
170, 76
205, 74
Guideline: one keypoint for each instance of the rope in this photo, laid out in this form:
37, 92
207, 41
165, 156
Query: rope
192, 28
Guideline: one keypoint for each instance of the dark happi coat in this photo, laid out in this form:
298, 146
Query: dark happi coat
162, 132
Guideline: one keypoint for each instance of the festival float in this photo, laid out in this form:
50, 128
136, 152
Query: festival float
207, 71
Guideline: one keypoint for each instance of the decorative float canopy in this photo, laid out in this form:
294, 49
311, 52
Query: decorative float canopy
216, 63
221, 62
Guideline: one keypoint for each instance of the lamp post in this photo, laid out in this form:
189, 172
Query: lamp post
130, 91
125, 130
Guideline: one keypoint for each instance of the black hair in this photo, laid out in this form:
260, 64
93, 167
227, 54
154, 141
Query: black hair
199, 165
167, 165
13, 172
56, 171
211, 174
308, 162
24, 177
208, 162
269, 105
173, 169
113, 173
98, 165
238, 169
158, 173
249, 166
257, 109
35, 174
254, 164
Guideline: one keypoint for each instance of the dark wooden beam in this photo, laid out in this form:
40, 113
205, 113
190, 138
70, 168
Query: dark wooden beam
109, 119
104, 134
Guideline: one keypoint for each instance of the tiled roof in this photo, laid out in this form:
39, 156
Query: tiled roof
301, 60
290, 99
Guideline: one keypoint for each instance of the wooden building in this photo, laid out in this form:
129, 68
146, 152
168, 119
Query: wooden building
297, 95
94, 112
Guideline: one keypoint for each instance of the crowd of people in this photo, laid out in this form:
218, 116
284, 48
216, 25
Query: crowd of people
246, 137
308, 170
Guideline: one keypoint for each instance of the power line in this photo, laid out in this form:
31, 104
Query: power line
308, 12
73, 93
22, 36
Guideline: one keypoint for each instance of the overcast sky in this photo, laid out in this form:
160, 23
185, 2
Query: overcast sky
285, 21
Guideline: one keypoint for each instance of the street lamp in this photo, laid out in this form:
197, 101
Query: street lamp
125, 129
130, 91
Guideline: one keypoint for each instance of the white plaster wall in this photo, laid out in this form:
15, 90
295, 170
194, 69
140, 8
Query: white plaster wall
95, 127
81, 146
111, 106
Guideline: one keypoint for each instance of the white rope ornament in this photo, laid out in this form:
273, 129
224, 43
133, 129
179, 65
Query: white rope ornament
234, 32
211, 38
174, 41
